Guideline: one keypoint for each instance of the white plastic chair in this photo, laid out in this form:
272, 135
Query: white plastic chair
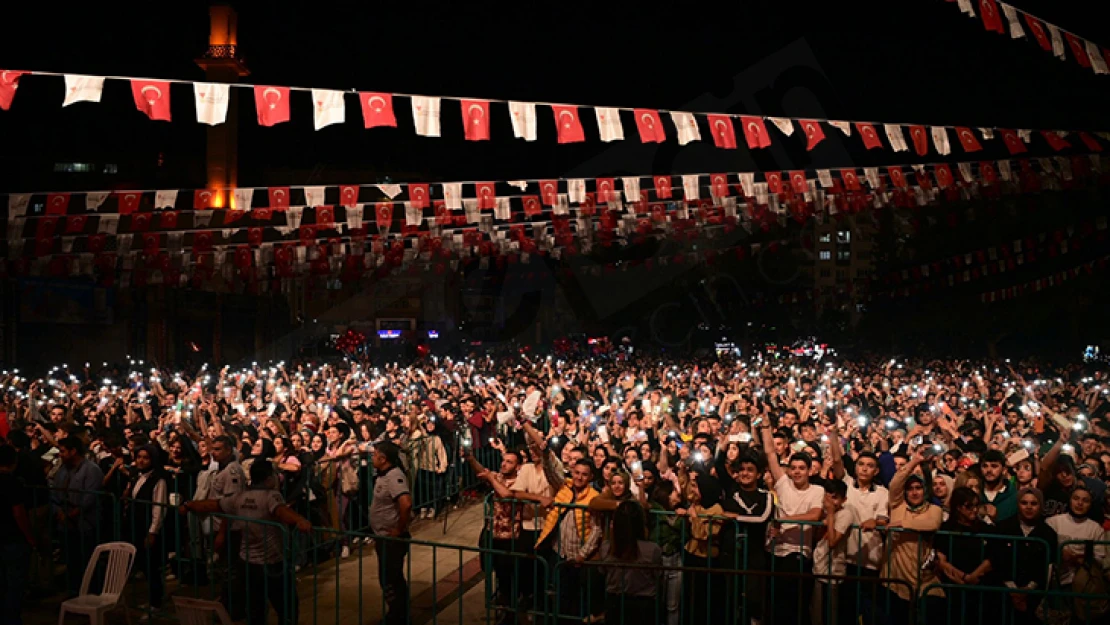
199, 611
121, 556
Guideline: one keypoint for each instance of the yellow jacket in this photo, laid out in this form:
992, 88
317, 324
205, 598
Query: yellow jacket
566, 496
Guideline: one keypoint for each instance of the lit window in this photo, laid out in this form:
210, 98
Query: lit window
72, 168
825, 238
111, 168
844, 236
825, 255
843, 255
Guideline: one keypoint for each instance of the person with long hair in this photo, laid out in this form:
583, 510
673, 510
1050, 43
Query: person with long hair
962, 556
666, 530
631, 567
147, 500
703, 496
1024, 562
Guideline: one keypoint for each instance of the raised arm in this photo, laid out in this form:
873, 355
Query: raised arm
769, 451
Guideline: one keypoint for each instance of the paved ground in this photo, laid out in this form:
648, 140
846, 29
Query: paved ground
438, 576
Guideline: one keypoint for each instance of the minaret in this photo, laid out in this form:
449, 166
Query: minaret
223, 63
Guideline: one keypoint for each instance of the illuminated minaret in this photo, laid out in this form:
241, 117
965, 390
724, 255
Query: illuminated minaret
223, 63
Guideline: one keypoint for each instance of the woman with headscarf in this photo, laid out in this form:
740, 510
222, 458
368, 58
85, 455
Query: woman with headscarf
147, 501
913, 520
943, 486
630, 590
703, 496
1023, 563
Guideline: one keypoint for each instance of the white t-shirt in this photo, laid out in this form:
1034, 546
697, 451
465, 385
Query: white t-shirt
873, 503
793, 501
835, 561
530, 479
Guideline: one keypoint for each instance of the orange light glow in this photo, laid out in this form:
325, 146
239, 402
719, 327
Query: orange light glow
217, 199
223, 29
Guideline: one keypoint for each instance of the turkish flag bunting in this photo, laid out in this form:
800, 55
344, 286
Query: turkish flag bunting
605, 188
798, 182
57, 203
967, 139
75, 224
1013, 142
662, 187
814, 133
920, 140
850, 178
774, 181
718, 185
419, 195
98, 241
202, 199
168, 220
475, 114
325, 215
588, 207
650, 126
348, 195
755, 132
377, 109
1037, 28
127, 201
271, 104
568, 124
44, 246
152, 242
441, 213
279, 197
254, 236
486, 194
531, 205
870, 137
723, 134
944, 176
1091, 143
9, 82
992, 19
549, 192
1056, 141
1078, 50
988, 173
152, 97
202, 242
896, 177
923, 180
384, 213
258, 214
140, 222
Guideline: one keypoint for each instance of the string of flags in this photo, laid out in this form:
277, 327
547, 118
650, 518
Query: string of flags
152, 97
1046, 282
1050, 37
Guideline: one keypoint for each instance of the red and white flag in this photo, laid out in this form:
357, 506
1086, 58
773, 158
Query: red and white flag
242, 198
723, 134
1016, 31
531, 205
1078, 50
486, 194
165, 198
420, 195
383, 212
1098, 60
1013, 142
152, 97
944, 175
798, 182
650, 126
814, 133
605, 190
992, 19
549, 192
425, 115
988, 173
967, 139
475, 114
774, 181
687, 127
662, 187
202, 199
851, 179
83, 89
1038, 31
568, 124
609, 126
127, 202
327, 107
1089, 141
523, 115
9, 82
1055, 140
895, 137
212, 100
940, 140
271, 104
279, 197
691, 187
75, 224
57, 203
897, 178
348, 195
755, 132
718, 185
920, 140
870, 137
377, 109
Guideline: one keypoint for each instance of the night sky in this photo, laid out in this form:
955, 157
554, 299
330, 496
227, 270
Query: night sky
918, 61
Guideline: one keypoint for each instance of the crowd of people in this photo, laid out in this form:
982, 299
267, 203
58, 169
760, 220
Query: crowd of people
644, 488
